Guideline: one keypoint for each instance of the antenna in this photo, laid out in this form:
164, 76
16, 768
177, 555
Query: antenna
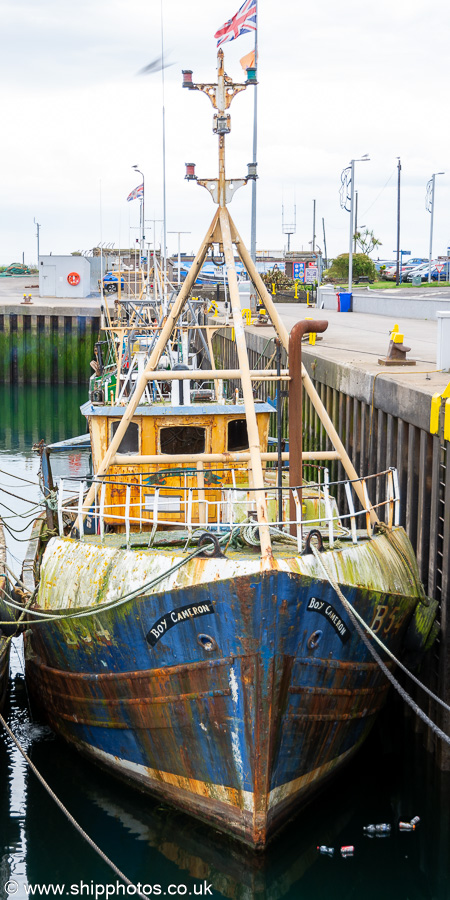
288, 227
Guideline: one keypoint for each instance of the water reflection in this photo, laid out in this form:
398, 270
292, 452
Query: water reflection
30, 413
153, 843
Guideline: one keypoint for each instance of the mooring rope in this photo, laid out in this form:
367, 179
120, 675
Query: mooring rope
357, 620
19, 477
66, 812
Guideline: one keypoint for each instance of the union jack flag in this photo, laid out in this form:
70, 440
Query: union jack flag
243, 22
138, 193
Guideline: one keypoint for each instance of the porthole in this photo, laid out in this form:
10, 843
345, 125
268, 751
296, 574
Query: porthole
314, 640
207, 642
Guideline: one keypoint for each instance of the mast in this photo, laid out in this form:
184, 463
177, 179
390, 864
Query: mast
222, 231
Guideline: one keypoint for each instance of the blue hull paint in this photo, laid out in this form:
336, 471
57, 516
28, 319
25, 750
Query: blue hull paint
266, 715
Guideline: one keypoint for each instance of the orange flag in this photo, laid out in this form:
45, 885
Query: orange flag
248, 60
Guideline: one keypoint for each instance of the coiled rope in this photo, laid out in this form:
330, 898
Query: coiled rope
358, 621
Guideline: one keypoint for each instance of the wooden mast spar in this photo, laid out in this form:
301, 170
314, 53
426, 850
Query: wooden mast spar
222, 231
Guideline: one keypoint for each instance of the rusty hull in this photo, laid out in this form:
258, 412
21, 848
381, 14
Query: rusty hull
240, 729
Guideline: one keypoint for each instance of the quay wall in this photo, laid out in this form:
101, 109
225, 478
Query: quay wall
47, 345
383, 423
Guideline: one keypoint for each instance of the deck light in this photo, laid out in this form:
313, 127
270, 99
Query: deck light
222, 124
251, 173
190, 172
187, 78
251, 75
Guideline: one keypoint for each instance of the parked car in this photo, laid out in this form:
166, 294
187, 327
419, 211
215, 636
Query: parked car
111, 281
416, 261
422, 271
391, 273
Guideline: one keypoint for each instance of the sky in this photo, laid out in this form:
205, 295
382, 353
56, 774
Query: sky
336, 81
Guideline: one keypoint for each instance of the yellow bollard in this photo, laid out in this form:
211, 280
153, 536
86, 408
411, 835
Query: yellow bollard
307, 298
296, 291
447, 421
434, 413
273, 288
247, 315
312, 335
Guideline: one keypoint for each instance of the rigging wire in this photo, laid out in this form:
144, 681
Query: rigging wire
380, 193
358, 621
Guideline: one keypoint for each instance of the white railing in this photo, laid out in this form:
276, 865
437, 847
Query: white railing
144, 507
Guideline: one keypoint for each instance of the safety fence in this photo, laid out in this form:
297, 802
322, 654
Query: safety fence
137, 504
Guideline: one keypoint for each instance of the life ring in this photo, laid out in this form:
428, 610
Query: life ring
73, 278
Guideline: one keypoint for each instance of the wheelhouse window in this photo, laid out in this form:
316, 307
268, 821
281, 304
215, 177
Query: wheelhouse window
182, 439
237, 435
130, 440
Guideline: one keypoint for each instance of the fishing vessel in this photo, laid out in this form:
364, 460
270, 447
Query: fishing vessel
191, 631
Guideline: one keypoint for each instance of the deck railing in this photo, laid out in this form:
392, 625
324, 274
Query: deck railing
221, 508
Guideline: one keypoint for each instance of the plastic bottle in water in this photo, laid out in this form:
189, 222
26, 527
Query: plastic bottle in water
383, 828
406, 826
347, 850
326, 851
415, 821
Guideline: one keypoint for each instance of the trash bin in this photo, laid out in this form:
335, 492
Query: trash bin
345, 302
416, 279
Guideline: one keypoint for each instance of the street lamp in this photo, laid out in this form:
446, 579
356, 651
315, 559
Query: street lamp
37, 235
348, 180
429, 206
142, 208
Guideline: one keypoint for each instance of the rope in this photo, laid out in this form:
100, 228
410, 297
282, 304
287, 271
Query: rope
66, 812
19, 477
357, 620
24, 609
17, 497
52, 500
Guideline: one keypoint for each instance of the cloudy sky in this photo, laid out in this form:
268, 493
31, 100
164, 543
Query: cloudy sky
336, 81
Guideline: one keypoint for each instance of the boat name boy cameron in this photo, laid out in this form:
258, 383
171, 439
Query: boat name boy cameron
327, 610
174, 617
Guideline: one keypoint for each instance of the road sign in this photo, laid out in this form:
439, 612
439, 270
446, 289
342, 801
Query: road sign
311, 275
439, 267
444, 258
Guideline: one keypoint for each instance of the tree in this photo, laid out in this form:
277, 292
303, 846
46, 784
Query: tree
366, 241
362, 266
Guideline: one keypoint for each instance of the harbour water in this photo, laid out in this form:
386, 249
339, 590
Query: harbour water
391, 779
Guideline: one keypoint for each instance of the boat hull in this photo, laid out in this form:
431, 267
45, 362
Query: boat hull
240, 711
4, 671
